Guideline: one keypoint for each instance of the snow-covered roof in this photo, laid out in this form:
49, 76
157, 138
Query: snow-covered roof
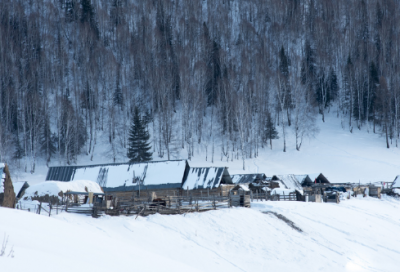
19, 186
319, 177
396, 182
52, 188
288, 182
125, 176
242, 186
246, 178
301, 178
205, 177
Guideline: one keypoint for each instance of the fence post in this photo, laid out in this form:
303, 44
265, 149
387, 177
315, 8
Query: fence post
215, 207
40, 206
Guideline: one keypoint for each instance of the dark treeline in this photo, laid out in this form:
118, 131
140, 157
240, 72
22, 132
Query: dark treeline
220, 76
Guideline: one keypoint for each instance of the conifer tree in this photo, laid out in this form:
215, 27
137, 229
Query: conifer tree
270, 132
139, 146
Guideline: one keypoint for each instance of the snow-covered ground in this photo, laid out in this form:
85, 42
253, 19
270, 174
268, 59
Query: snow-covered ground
356, 235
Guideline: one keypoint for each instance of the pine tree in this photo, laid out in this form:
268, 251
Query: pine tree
139, 147
270, 132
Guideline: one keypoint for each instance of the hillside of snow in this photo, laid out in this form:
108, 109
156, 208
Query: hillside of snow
356, 235
340, 155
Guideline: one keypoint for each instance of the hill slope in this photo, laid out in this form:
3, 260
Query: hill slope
356, 235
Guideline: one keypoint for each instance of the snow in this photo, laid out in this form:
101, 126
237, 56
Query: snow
396, 191
165, 172
280, 191
199, 178
244, 187
52, 188
18, 186
289, 182
355, 235
300, 178
124, 175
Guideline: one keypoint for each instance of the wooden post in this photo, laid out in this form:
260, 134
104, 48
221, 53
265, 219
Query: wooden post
40, 206
215, 206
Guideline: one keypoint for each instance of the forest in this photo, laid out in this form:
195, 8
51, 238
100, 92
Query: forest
223, 76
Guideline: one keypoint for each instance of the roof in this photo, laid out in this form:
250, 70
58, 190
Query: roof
301, 178
247, 178
319, 176
288, 182
205, 177
53, 188
396, 182
19, 187
125, 176
242, 186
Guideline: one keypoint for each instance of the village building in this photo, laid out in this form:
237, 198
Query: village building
149, 179
127, 180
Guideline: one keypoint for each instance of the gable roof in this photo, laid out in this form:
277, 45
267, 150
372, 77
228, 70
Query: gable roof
205, 177
288, 182
319, 177
125, 176
247, 178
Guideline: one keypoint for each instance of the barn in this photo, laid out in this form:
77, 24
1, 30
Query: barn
127, 179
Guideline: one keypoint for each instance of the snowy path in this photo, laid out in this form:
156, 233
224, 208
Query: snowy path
356, 235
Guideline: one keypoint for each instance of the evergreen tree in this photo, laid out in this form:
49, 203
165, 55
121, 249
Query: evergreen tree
139, 147
270, 131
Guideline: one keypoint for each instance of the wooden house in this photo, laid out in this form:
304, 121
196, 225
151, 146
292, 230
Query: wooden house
128, 180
